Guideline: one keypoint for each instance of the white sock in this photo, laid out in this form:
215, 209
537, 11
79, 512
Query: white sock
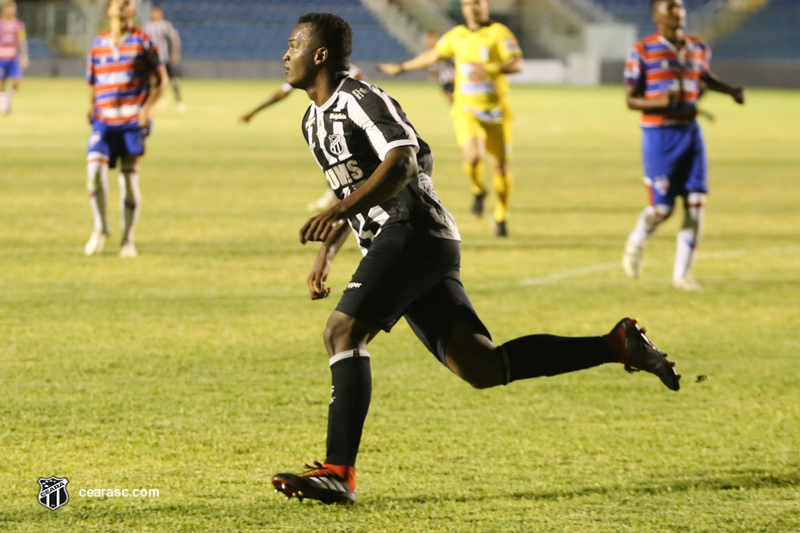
98, 192
130, 201
689, 235
5, 100
648, 221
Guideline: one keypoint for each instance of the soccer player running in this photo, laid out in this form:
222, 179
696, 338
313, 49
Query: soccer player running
13, 54
484, 52
125, 79
663, 77
168, 41
380, 169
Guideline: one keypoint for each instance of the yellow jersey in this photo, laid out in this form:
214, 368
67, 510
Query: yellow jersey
480, 86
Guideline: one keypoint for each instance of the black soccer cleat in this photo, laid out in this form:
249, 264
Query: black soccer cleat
318, 482
636, 352
500, 229
477, 204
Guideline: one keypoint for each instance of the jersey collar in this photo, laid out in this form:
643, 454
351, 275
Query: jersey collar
332, 99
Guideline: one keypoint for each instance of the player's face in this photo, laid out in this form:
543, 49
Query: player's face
124, 9
475, 11
156, 14
670, 13
300, 59
10, 10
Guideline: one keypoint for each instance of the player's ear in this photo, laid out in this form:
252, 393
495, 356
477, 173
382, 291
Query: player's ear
321, 55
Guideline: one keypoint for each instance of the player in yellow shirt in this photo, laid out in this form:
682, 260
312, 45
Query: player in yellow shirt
484, 52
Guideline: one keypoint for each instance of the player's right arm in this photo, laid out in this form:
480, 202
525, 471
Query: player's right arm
90, 113
638, 102
90, 80
397, 169
636, 83
324, 261
279, 95
422, 61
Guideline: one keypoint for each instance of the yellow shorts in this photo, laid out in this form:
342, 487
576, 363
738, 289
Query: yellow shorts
497, 135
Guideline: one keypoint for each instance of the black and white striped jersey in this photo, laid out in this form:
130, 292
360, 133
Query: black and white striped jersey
349, 136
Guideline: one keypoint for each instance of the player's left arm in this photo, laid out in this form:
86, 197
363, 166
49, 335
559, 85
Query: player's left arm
511, 60
23, 49
161, 82
398, 168
713, 83
175, 43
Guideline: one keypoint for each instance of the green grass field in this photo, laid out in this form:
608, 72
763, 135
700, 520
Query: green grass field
198, 368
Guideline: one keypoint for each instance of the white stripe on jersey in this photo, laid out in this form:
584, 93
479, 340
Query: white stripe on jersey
362, 120
393, 110
310, 131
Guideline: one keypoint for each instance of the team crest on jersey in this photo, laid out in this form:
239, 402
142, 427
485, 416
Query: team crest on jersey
661, 184
336, 143
53, 492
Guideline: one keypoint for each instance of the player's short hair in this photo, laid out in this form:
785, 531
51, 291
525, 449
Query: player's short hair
335, 34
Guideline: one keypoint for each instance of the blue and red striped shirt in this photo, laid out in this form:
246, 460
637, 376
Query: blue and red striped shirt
121, 75
656, 67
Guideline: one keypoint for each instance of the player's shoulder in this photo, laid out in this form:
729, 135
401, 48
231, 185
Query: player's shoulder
139, 34
100, 40
654, 39
697, 42
356, 88
498, 28
359, 94
459, 31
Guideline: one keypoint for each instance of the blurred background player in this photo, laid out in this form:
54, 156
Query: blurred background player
663, 76
328, 198
484, 52
125, 78
13, 54
168, 41
443, 71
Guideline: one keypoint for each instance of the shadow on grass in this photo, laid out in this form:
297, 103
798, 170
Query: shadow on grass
702, 481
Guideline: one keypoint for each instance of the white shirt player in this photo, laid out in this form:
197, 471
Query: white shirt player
165, 37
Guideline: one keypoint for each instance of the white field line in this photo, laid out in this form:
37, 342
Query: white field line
578, 272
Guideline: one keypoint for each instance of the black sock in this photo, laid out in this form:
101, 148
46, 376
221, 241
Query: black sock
176, 88
548, 355
350, 396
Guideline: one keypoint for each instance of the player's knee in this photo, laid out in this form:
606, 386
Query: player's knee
477, 377
662, 211
343, 332
696, 199
473, 160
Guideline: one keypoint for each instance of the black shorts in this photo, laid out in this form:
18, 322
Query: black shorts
411, 275
173, 71
449, 87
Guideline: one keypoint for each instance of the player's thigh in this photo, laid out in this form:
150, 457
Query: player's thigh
697, 173
499, 140
470, 134
132, 143
401, 265
98, 148
443, 310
